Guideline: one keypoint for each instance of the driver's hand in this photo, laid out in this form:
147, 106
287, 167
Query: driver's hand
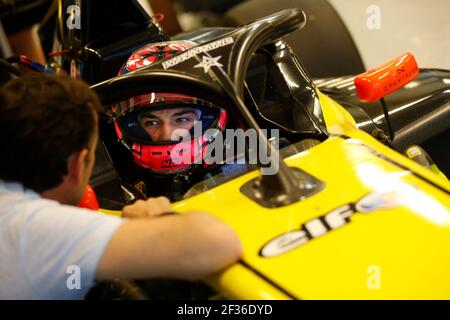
151, 207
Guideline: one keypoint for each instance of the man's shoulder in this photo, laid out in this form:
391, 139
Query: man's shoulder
26, 208
17, 202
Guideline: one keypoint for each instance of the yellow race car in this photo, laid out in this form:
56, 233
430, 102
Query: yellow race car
345, 215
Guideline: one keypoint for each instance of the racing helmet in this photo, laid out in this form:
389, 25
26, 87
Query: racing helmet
165, 132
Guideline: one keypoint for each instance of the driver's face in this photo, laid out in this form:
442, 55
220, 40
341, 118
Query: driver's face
160, 124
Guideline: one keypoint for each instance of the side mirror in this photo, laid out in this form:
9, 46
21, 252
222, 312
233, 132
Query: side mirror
89, 200
377, 83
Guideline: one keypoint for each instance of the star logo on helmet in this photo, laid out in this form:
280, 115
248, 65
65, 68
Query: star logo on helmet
209, 62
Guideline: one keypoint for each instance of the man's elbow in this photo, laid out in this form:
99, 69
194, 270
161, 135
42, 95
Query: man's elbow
229, 245
220, 249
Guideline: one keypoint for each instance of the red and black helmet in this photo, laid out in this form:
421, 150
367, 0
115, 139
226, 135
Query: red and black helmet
154, 52
142, 122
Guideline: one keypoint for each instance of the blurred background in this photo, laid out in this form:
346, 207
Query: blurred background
341, 37
419, 26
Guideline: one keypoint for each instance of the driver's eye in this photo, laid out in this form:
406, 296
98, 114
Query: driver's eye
183, 120
150, 123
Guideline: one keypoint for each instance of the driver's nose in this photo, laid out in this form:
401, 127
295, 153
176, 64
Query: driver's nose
166, 132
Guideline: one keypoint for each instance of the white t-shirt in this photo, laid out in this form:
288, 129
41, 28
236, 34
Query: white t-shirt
48, 250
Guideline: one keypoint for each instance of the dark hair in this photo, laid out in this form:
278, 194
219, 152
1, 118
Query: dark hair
43, 120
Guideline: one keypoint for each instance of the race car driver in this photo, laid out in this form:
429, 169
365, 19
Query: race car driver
53, 250
165, 131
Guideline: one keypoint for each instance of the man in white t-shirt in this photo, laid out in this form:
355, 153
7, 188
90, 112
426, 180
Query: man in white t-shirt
50, 249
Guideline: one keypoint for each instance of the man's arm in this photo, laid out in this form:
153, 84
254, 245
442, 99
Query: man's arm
189, 246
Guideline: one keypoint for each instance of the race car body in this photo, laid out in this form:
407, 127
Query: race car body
379, 223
